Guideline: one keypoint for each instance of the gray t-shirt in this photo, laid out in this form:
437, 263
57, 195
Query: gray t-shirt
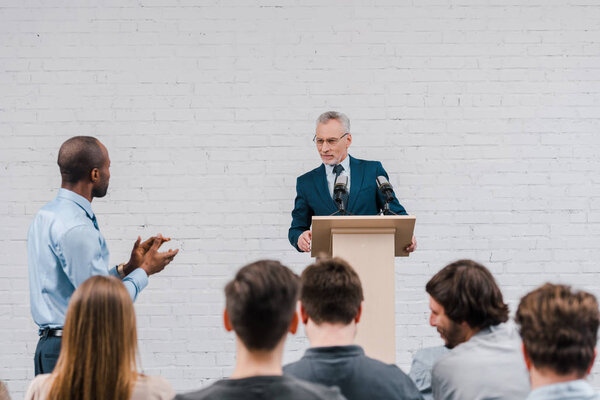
358, 376
264, 388
490, 365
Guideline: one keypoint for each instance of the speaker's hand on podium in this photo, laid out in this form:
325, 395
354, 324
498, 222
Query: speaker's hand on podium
412, 246
304, 241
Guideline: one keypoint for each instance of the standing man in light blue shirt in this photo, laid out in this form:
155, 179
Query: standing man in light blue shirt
559, 329
65, 246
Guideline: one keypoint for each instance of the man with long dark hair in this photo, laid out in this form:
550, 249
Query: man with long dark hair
470, 315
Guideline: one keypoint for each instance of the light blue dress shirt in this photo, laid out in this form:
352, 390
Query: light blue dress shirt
572, 390
331, 176
64, 248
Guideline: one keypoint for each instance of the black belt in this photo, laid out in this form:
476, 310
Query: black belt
56, 332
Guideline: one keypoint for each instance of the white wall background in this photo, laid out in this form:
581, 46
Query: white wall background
485, 114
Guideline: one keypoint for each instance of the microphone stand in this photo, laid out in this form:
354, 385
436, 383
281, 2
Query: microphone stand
386, 209
339, 202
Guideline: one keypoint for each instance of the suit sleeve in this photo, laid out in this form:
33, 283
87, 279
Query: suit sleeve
301, 216
395, 205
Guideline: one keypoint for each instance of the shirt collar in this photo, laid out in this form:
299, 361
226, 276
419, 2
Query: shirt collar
550, 391
345, 164
335, 351
77, 199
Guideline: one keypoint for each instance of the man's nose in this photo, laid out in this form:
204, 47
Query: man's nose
431, 320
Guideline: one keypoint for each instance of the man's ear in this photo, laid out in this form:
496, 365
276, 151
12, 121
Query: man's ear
592, 363
94, 175
303, 314
294, 324
527, 359
359, 313
226, 321
349, 140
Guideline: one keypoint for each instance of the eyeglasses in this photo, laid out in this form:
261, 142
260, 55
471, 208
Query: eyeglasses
330, 141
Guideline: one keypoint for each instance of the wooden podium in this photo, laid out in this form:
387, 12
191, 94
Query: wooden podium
369, 244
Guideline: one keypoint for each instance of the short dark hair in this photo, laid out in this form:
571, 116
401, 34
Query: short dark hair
261, 302
331, 291
469, 293
78, 156
559, 328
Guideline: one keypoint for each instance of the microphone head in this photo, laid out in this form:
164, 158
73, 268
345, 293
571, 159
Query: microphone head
341, 180
382, 182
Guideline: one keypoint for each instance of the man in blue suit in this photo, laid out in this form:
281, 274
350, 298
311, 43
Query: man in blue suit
314, 190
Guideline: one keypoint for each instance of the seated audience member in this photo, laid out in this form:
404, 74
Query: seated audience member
3, 392
98, 355
330, 305
260, 307
420, 369
468, 311
559, 329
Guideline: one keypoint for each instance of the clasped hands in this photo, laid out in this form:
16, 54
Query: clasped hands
145, 255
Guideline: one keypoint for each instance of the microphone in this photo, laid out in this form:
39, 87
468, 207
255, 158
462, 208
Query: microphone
385, 188
340, 188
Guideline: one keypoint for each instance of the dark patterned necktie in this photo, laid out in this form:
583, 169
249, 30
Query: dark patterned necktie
337, 170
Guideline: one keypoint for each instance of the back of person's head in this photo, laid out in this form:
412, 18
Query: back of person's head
99, 344
559, 328
261, 303
78, 156
331, 292
468, 293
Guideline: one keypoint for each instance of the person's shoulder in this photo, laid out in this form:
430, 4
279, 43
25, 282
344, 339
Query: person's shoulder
295, 367
38, 388
369, 165
390, 372
310, 174
152, 387
310, 390
214, 391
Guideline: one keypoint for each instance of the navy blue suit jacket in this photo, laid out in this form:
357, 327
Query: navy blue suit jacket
313, 198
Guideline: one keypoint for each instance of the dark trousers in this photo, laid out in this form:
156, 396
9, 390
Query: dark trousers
46, 353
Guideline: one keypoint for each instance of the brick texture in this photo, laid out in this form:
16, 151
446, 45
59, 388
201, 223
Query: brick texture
485, 114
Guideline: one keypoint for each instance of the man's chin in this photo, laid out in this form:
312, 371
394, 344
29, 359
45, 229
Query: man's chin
99, 193
329, 161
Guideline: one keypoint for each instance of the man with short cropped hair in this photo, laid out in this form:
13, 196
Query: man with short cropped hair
260, 307
559, 329
330, 306
65, 246
469, 313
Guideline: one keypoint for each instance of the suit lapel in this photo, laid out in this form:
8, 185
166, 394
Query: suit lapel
357, 175
323, 188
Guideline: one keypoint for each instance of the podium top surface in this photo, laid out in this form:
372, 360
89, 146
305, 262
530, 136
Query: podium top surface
402, 226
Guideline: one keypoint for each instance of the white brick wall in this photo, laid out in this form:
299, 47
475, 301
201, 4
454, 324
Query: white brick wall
484, 113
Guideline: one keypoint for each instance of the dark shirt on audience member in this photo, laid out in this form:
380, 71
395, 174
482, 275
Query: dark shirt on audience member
357, 376
263, 388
